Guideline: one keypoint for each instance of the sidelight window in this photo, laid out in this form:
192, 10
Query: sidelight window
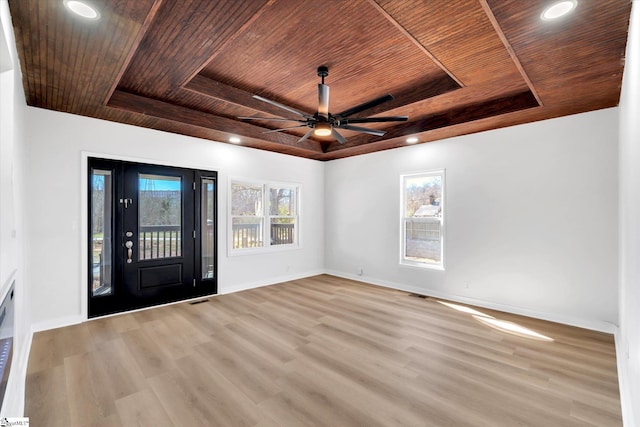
101, 268
207, 225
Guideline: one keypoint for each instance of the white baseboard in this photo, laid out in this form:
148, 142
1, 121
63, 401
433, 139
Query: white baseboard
595, 325
74, 320
626, 401
267, 282
59, 322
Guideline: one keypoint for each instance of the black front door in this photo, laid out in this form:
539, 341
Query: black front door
152, 235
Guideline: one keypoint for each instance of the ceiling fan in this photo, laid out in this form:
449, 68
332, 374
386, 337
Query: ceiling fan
323, 123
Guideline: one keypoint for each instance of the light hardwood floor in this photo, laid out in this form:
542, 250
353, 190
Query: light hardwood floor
321, 351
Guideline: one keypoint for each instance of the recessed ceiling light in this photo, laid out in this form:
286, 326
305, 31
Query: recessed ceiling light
558, 10
234, 140
412, 140
82, 9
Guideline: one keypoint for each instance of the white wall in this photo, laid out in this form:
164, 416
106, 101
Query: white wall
58, 145
531, 218
12, 106
532, 214
629, 210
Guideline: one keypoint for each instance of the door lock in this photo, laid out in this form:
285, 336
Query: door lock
126, 202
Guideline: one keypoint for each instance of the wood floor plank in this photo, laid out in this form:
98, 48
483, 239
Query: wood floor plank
322, 402
51, 347
102, 331
110, 421
88, 398
142, 409
151, 356
281, 407
229, 404
320, 351
241, 366
128, 322
387, 399
47, 399
180, 400
45, 354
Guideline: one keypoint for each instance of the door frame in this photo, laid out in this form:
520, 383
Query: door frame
85, 235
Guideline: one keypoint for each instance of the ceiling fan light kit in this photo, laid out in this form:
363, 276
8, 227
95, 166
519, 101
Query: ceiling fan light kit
322, 129
323, 123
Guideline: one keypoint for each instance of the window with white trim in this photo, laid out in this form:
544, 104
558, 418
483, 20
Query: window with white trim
422, 220
263, 215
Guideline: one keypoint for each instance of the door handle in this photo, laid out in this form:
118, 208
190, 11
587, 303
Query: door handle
129, 244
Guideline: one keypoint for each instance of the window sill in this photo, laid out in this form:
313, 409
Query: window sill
422, 265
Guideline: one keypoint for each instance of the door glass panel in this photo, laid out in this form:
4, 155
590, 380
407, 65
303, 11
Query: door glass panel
207, 198
159, 216
101, 211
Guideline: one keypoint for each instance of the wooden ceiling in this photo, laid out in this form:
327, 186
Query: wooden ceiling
192, 66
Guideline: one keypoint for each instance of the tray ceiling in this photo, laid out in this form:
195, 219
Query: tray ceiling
192, 67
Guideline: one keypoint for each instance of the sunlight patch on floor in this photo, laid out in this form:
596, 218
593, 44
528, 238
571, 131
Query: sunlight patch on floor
463, 309
500, 325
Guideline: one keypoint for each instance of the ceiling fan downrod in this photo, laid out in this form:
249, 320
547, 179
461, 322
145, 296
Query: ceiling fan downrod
323, 71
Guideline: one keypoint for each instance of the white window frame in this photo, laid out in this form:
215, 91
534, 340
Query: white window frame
267, 245
404, 261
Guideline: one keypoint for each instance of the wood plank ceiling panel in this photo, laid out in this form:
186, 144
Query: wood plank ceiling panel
278, 54
460, 35
69, 64
191, 67
182, 37
575, 60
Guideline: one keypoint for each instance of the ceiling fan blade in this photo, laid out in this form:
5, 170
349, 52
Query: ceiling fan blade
366, 105
375, 132
287, 128
323, 100
284, 107
306, 135
379, 119
277, 119
338, 137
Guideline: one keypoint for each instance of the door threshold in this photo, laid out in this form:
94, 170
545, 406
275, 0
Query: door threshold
191, 301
